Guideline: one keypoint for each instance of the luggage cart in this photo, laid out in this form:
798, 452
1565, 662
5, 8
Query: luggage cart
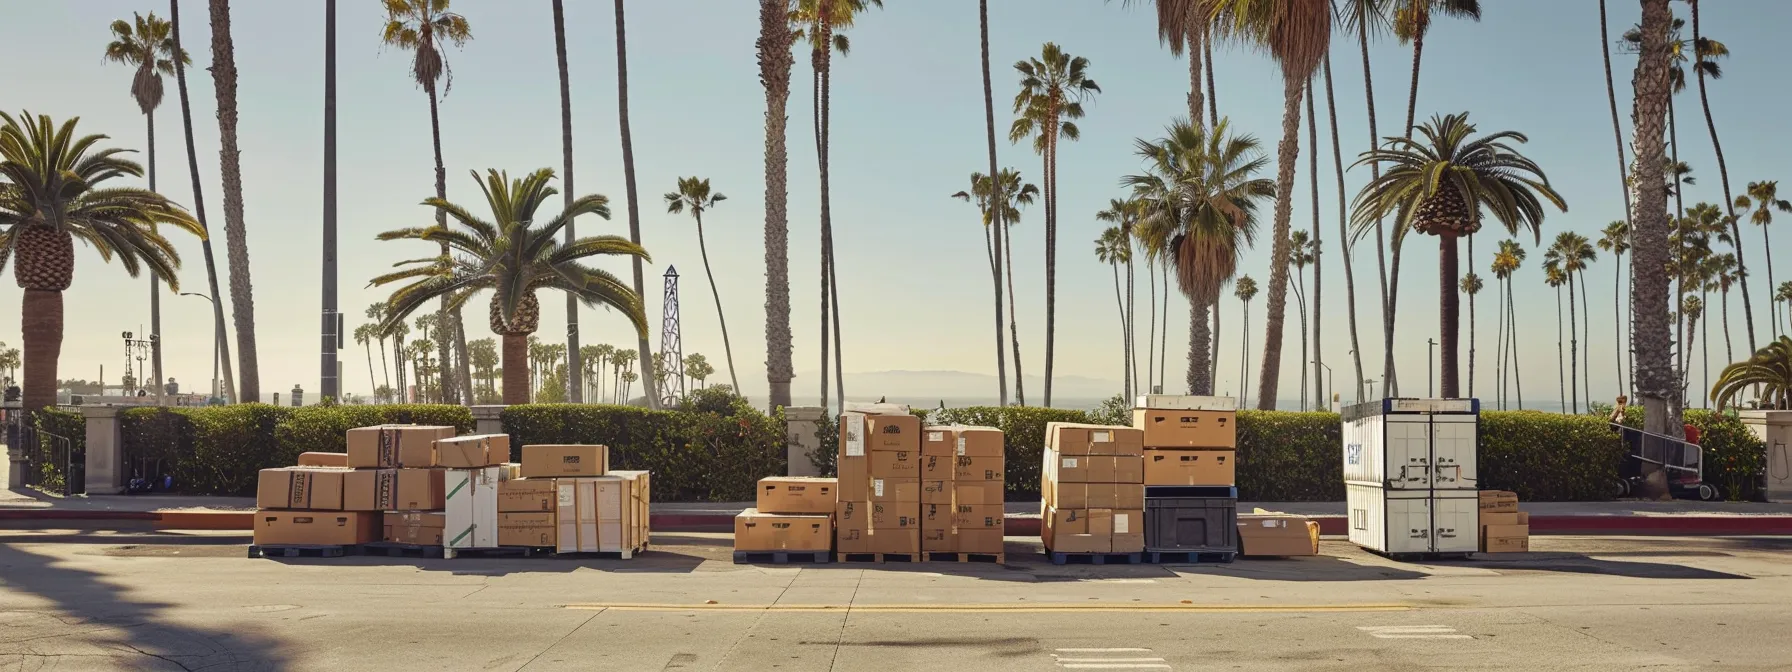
1683, 462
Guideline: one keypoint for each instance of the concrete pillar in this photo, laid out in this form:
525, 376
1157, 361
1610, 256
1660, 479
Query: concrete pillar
105, 450
1774, 428
488, 419
800, 426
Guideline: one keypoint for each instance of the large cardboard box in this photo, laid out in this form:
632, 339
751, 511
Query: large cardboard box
1129, 496
390, 446
370, 490
316, 528
940, 441
1191, 467
852, 527
757, 531
979, 468
526, 495
420, 490
1067, 468
1185, 402
896, 464
1499, 501
977, 516
1187, 429
1067, 495
565, 460
534, 528
1068, 532
1277, 534
323, 459
896, 540
937, 467
937, 492
417, 528
980, 442
1505, 538
575, 515
977, 492
895, 516
797, 494
893, 432
895, 490
1129, 469
977, 540
299, 488
854, 478
1080, 439
1127, 531
478, 450
471, 503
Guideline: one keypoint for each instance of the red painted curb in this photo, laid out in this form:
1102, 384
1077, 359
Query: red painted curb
53, 514
205, 520
1662, 525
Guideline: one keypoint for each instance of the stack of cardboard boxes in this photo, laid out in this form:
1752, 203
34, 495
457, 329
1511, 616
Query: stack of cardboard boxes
879, 466
1191, 457
962, 483
1093, 482
793, 513
1504, 529
593, 509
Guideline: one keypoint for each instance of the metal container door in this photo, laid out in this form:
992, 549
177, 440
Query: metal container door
1453, 452
1407, 449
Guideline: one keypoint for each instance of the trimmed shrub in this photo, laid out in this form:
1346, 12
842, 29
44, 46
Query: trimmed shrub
717, 455
1286, 456
1024, 427
1549, 457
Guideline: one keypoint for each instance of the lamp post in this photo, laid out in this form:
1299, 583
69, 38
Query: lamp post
1370, 383
217, 342
1431, 347
1328, 383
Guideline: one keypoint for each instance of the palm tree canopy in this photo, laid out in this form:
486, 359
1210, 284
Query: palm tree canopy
1572, 251
1245, 289
1471, 284
1111, 246
1356, 16
1300, 249
52, 181
806, 20
1126, 214
1767, 194
1201, 197
1296, 33
1440, 182
1053, 87
512, 255
694, 194
426, 28
1680, 50
1176, 19
146, 44
1615, 238
1412, 19
1013, 195
1770, 367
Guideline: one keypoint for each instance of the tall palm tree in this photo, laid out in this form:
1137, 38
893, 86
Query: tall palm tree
1297, 34
1723, 277
51, 195
1053, 87
1126, 214
648, 387
1615, 239
1112, 248
1784, 293
1202, 196
427, 29
236, 244
1555, 277
775, 61
483, 353
365, 335
248, 391
1571, 253
1013, 194
1471, 285
1692, 307
1183, 25
1300, 256
1245, 289
624, 364
1344, 243
1470, 174
514, 256
1611, 99
1317, 362
147, 45
605, 353
1705, 51
694, 194
1654, 371
377, 313
1764, 198
1367, 19
398, 332
1506, 261
996, 230
575, 369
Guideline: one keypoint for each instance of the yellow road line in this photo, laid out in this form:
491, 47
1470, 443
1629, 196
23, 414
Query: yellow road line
998, 608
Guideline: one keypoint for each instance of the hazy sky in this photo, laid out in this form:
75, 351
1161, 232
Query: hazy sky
907, 130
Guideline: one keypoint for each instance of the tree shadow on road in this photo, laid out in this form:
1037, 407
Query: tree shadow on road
1577, 563
92, 619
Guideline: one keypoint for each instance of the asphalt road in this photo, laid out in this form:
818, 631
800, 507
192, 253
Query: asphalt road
143, 601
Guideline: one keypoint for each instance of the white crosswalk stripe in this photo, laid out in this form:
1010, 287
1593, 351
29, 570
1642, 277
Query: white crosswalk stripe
1412, 632
1111, 658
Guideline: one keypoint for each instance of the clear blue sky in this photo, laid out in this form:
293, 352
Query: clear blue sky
907, 130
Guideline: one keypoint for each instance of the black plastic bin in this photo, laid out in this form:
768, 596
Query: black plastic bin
1197, 524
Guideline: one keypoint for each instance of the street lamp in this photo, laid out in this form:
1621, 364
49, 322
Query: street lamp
217, 341
1328, 383
1430, 391
1370, 383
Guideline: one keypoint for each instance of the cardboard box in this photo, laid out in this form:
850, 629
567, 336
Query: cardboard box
622, 511
391, 446
895, 490
1080, 439
895, 516
1191, 467
936, 492
757, 531
1102, 495
1065, 468
1067, 495
938, 441
937, 540
526, 495
323, 459
316, 528
1129, 469
416, 528
1185, 402
1505, 538
370, 490
1127, 531
1129, 496
478, 450
977, 516
852, 527
937, 467
936, 527
535, 528
1187, 429
299, 488
471, 503
421, 490
854, 480
1277, 534
977, 492
797, 494
1499, 501
1512, 518
565, 460
1066, 521
896, 464
1100, 468
896, 541
978, 468
901, 433
977, 540
980, 442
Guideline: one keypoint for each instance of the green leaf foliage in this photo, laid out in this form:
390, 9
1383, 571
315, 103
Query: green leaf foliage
1286, 456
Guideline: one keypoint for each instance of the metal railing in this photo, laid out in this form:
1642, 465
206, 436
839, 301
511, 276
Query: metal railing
53, 464
1680, 458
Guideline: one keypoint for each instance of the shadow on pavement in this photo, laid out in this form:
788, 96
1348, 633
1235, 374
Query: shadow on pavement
1577, 563
94, 618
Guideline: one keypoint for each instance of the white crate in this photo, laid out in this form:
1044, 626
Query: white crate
471, 510
1396, 521
1185, 402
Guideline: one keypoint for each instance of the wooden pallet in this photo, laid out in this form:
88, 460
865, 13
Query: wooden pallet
878, 557
397, 550
950, 556
302, 551
498, 552
783, 557
1188, 557
624, 554
1095, 558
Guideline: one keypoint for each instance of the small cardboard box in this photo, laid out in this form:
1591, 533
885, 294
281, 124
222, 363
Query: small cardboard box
534, 528
977, 540
852, 527
936, 539
896, 490
323, 459
1067, 495
1067, 468
977, 516
1505, 538
900, 433
316, 528
1129, 469
370, 490
896, 541
1102, 495
757, 531
1080, 439
413, 527
980, 442
1100, 468
1512, 518
471, 452
1277, 534
1499, 501
565, 460
937, 467
526, 495
977, 492
978, 468
314, 488
939, 441
896, 464
1066, 521
1127, 531
1191, 467
420, 490
1129, 496
936, 492
895, 516
797, 494
390, 446
1187, 429
854, 480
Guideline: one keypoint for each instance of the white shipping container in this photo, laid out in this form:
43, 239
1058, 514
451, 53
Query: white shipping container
1399, 522
471, 509
1412, 444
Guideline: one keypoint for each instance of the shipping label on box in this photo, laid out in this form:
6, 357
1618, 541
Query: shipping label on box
535, 529
1080, 439
758, 531
893, 433
316, 528
897, 516
525, 495
299, 488
390, 446
1190, 467
893, 490
937, 492
896, 464
797, 494
978, 516
1498, 501
1128, 532
852, 435
413, 527
472, 507
937, 467
370, 490
468, 452
1187, 429
939, 441
565, 460
978, 468
980, 442
977, 492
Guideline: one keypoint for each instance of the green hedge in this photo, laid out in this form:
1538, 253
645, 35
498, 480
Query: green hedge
68, 425
1024, 427
1286, 456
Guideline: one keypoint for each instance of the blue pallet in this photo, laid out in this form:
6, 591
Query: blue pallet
783, 557
1095, 558
1188, 557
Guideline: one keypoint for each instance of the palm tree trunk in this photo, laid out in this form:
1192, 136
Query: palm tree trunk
1512, 342
1499, 345
211, 266
1705, 351
1213, 98
1132, 360
1611, 99
1586, 372
1199, 379
827, 225
1244, 358
1561, 364
1151, 332
1120, 302
1356, 348
1381, 262
1213, 368
1196, 43
1300, 309
634, 206
444, 315
1692, 334
995, 217
575, 360
1723, 176
1317, 363
1051, 253
1163, 334
40, 327
372, 382
1573, 350
775, 63
1729, 352
1020, 388
1471, 320
727, 346
385, 371
1288, 151
1767, 250
516, 368
155, 279
242, 298
1618, 318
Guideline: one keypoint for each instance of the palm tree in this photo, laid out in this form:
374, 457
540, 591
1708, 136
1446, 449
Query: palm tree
1611, 99
514, 257
51, 195
236, 244
1692, 307
1014, 194
575, 366
365, 335
1723, 277
1344, 242
1705, 51
1471, 285
1769, 371
694, 194
1555, 277
1506, 261
147, 45
1764, 197
1053, 87
1202, 195
1245, 289
775, 60
483, 354
231, 392
1126, 213
1571, 253
1183, 25
1473, 173
645, 353
1615, 239
1297, 34
1317, 362
1784, 293
1300, 256
995, 227
1112, 248
426, 29
1654, 375
605, 353
1366, 19
398, 332
624, 361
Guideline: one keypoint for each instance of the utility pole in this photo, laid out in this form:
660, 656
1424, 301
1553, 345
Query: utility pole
330, 337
